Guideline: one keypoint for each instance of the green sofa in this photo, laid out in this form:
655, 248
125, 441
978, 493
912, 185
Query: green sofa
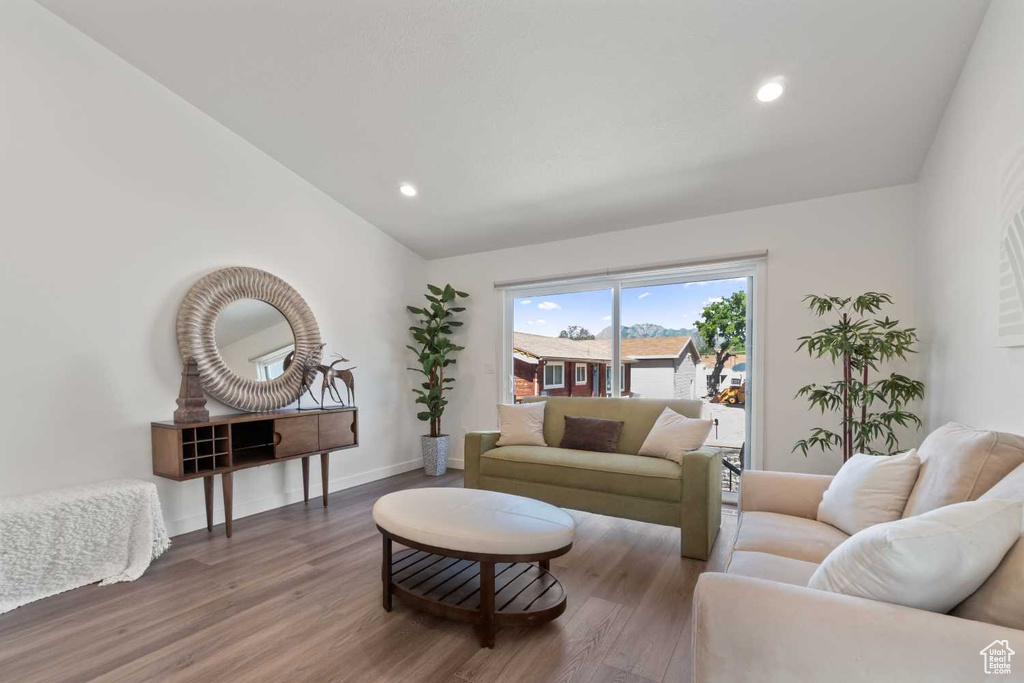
621, 484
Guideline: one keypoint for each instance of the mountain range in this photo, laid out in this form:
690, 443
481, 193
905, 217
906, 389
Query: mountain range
647, 330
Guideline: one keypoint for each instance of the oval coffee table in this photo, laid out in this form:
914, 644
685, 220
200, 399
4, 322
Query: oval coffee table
467, 555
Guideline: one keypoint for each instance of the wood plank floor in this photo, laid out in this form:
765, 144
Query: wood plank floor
295, 596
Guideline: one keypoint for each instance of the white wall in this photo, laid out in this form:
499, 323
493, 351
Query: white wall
970, 379
116, 197
838, 245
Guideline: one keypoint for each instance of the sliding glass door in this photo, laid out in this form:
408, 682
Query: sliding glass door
683, 333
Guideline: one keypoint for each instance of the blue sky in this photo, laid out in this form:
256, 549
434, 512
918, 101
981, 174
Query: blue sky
672, 306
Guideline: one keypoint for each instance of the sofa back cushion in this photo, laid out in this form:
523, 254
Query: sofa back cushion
591, 434
521, 425
959, 464
637, 415
1000, 600
869, 490
933, 561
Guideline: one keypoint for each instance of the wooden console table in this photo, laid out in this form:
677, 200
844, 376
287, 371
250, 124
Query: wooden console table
229, 443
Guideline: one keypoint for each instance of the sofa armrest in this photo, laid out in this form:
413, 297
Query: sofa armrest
701, 506
477, 443
747, 629
787, 493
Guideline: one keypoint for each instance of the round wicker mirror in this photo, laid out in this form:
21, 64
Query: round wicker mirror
197, 337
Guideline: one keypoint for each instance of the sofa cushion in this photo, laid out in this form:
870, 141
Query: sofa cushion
629, 475
591, 434
793, 537
771, 567
638, 415
931, 561
869, 490
674, 435
1000, 600
959, 464
521, 424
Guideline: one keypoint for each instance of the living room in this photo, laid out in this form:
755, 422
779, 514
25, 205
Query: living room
619, 432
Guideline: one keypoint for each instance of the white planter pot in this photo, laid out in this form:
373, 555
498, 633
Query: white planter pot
435, 454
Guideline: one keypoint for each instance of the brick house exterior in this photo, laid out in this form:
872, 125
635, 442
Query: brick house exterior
670, 363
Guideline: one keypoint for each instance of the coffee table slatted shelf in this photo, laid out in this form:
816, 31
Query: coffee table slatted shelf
524, 593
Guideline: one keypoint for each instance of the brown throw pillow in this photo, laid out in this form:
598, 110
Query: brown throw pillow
591, 434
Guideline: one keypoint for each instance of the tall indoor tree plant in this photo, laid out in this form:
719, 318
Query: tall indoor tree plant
858, 342
435, 352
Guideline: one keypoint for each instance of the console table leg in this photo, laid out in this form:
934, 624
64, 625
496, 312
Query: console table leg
208, 492
325, 461
486, 604
305, 479
545, 564
385, 573
225, 480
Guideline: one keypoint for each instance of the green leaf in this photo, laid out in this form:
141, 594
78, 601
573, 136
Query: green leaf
435, 290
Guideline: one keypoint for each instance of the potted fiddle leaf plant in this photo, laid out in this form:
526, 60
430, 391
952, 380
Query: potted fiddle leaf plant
435, 352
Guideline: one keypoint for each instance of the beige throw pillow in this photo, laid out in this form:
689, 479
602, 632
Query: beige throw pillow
673, 435
869, 490
522, 424
930, 562
1000, 600
960, 463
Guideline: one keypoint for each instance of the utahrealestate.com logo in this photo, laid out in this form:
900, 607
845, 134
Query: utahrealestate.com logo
997, 657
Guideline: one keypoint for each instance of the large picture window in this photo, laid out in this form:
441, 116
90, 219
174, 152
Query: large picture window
680, 333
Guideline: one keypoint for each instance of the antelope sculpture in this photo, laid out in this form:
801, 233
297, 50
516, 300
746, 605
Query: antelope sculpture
331, 375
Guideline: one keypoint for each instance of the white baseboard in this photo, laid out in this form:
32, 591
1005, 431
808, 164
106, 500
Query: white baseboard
457, 463
257, 505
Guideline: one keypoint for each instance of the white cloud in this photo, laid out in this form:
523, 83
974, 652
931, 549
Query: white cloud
526, 301
607, 317
548, 306
713, 300
536, 322
644, 295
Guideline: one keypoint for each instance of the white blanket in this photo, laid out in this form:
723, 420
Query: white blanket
54, 541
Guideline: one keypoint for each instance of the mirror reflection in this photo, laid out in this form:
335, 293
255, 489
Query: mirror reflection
253, 338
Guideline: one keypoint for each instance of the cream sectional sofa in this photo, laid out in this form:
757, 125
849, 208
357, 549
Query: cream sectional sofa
759, 622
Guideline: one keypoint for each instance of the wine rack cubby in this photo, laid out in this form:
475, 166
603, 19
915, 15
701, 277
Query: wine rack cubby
234, 442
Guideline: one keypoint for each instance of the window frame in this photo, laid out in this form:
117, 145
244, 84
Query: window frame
576, 367
263, 362
622, 376
752, 266
554, 364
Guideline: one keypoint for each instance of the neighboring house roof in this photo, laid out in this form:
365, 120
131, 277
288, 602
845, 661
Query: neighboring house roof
600, 350
659, 347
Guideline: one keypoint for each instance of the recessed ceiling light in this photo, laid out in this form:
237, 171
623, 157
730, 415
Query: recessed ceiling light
407, 189
770, 91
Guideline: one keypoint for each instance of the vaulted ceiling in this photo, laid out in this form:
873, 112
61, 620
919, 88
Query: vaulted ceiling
523, 121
